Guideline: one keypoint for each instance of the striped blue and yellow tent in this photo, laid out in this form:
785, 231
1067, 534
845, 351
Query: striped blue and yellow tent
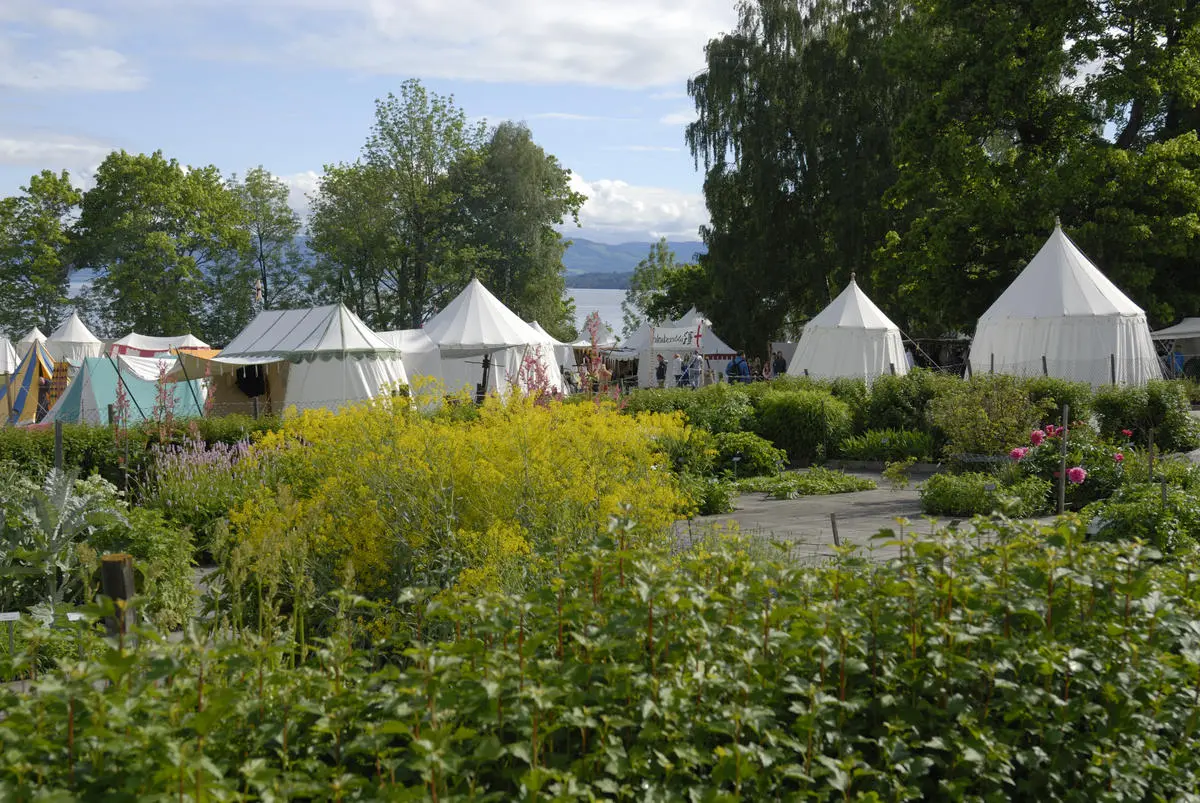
19, 395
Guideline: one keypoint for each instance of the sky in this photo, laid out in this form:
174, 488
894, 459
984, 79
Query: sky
291, 84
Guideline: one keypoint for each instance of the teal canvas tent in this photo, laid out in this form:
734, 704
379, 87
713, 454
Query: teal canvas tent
94, 388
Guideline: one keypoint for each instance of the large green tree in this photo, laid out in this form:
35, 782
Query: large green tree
796, 119
510, 195
35, 252
645, 286
152, 228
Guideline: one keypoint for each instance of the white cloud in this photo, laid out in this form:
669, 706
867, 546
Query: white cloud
668, 95
621, 210
678, 118
644, 148
94, 69
52, 152
39, 13
615, 43
300, 187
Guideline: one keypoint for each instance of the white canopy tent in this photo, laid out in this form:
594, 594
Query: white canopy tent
422, 361
1187, 329
691, 333
73, 342
849, 338
8, 357
1183, 341
563, 352
34, 335
148, 346
1062, 317
305, 358
476, 324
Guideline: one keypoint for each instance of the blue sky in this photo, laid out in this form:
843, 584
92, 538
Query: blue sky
290, 84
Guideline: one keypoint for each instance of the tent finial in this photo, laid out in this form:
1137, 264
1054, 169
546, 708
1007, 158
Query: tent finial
1057, 222
852, 275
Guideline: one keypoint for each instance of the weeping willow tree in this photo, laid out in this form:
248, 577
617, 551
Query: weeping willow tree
797, 114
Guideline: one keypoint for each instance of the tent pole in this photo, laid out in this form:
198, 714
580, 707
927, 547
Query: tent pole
121, 379
187, 379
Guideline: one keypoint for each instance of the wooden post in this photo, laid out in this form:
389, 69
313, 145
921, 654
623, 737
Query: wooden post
992, 369
58, 446
254, 407
116, 583
1045, 369
892, 368
112, 415
1112, 367
837, 541
1150, 455
1062, 462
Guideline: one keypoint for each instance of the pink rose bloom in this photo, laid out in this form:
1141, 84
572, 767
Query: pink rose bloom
1051, 430
1128, 433
1018, 453
1036, 437
1118, 457
1076, 475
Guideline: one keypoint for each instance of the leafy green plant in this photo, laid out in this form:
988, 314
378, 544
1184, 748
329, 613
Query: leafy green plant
744, 454
1142, 511
709, 495
896, 473
974, 669
1103, 463
1048, 394
1162, 405
904, 402
717, 408
816, 481
986, 415
888, 444
982, 494
806, 424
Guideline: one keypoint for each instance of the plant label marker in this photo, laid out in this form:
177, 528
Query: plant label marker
11, 617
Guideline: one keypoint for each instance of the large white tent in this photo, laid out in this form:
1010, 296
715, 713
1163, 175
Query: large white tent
149, 346
73, 342
563, 352
476, 324
849, 338
1062, 317
691, 333
305, 358
422, 361
1183, 341
34, 335
8, 358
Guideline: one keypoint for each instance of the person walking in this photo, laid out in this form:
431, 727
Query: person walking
660, 371
677, 369
779, 364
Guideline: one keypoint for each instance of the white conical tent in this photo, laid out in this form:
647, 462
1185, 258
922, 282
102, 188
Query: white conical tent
8, 357
685, 336
148, 346
476, 324
563, 352
73, 342
1062, 317
849, 338
34, 335
305, 358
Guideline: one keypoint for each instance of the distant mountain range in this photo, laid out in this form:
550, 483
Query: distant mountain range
588, 256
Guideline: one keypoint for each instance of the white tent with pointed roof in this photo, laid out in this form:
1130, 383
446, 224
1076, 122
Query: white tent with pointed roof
849, 338
304, 358
476, 324
1062, 317
690, 334
34, 335
73, 342
8, 358
149, 346
563, 352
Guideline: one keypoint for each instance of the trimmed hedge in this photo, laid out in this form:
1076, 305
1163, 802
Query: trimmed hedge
1162, 405
983, 494
807, 424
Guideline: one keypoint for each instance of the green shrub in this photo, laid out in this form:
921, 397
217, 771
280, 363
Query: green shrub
162, 556
985, 415
717, 408
976, 493
1098, 459
755, 455
1048, 394
888, 445
693, 451
1162, 405
709, 495
816, 481
806, 424
855, 393
903, 402
1138, 512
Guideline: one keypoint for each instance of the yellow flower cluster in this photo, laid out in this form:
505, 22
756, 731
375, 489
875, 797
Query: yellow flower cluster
395, 497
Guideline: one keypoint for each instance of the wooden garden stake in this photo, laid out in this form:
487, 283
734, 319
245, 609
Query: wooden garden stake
1062, 462
116, 583
837, 541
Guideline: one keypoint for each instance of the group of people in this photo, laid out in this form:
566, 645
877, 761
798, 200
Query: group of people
690, 372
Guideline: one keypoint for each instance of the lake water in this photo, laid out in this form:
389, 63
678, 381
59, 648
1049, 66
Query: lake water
605, 301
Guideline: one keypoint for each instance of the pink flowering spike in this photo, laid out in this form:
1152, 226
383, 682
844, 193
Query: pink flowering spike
1076, 475
1118, 457
1036, 437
